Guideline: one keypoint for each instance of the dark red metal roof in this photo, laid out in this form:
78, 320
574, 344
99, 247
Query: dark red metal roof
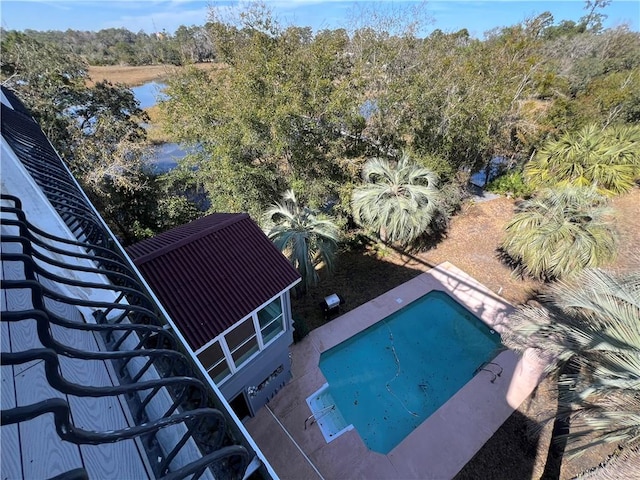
212, 272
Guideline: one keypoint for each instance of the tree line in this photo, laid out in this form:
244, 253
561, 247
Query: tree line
119, 46
294, 109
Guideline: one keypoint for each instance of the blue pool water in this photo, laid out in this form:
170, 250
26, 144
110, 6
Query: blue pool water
389, 378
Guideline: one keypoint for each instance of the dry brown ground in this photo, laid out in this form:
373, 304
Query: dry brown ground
518, 450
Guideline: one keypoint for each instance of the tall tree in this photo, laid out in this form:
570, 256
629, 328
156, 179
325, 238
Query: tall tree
291, 109
597, 79
47, 79
593, 20
467, 101
273, 117
96, 129
591, 326
308, 239
398, 200
560, 232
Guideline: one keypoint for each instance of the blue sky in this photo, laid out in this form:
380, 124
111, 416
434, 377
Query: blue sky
153, 15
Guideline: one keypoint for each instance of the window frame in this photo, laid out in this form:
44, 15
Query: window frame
260, 329
257, 335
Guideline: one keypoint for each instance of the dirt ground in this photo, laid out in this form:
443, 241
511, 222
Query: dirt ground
519, 448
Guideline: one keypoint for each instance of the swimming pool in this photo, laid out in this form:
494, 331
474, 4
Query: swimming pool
389, 378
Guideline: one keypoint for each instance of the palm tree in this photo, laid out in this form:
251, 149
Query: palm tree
608, 159
308, 240
560, 232
591, 326
398, 200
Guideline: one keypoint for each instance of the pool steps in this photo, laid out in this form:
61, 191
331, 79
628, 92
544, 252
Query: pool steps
326, 415
315, 416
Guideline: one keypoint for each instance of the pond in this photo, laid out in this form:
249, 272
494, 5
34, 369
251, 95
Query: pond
497, 166
149, 94
165, 156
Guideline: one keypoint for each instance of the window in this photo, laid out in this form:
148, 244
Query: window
270, 320
224, 356
242, 342
214, 362
219, 371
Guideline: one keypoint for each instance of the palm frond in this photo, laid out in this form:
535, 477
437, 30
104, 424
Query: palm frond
399, 199
305, 237
624, 464
606, 159
560, 232
594, 323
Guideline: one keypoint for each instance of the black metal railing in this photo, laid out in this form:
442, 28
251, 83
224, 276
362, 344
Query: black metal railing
43, 163
157, 377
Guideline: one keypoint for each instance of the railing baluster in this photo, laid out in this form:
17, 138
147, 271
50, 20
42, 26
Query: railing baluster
134, 333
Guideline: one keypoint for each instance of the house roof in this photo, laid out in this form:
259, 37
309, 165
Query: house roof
212, 272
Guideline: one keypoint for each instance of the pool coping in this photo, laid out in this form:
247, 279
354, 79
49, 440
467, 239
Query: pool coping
443, 443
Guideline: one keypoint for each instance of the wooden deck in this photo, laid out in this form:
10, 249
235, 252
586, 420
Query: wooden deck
32, 449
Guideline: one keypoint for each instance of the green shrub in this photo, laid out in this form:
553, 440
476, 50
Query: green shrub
511, 184
448, 204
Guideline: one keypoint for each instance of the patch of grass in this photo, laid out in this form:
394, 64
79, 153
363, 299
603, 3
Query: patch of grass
128, 75
155, 133
133, 76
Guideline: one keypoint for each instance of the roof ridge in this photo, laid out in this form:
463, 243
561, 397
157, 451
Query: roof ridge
232, 218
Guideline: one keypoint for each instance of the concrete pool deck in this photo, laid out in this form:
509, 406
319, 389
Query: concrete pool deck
436, 449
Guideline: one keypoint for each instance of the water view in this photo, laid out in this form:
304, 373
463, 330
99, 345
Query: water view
149, 94
165, 156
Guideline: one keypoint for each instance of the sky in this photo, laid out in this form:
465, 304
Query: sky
154, 15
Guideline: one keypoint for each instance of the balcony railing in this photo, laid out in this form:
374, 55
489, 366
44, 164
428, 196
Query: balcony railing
82, 290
